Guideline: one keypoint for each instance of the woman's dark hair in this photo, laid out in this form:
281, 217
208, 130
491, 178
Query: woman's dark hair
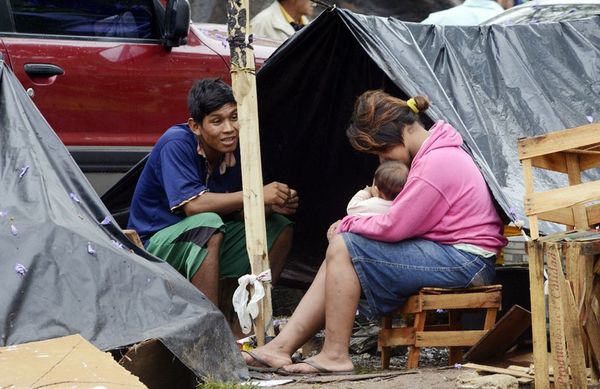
207, 96
378, 120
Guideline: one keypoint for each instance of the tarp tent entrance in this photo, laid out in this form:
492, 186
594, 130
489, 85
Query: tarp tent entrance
495, 84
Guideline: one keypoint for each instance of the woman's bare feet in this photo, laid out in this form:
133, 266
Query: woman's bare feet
264, 357
321, 364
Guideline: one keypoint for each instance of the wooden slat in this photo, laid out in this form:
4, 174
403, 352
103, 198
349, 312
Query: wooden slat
560, 360
574, 338
502, 336
538, 313
133, 236
448, 338
555, 162
589, 162
553, 142
465, 301
593, 214
402, 336
549, 200
499, 370
574, 174
561, 216
528, 183
472, 289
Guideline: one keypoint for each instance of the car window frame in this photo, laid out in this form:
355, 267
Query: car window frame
8, 28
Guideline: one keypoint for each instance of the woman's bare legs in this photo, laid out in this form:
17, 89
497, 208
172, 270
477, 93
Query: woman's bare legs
342, 292
307, 319
334, 292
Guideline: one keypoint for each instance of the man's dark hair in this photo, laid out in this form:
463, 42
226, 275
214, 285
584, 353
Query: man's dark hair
207, 96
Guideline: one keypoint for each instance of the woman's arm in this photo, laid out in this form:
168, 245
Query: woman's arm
416, 211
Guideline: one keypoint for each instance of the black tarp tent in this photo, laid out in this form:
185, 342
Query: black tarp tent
67, 268
495, 84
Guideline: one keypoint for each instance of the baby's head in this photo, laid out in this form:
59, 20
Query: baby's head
390, 178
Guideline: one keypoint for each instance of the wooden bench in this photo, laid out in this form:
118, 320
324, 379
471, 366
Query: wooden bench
445, 335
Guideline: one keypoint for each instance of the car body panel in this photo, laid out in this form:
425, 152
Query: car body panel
547, 11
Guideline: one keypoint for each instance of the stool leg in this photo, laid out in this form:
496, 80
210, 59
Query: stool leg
414, 352
490, 318
456, 353
386, 323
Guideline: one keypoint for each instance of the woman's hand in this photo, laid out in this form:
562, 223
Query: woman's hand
332, 231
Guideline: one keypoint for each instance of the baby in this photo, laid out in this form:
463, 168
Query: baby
389, 180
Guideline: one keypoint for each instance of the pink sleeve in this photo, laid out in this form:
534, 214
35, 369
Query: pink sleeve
414, 212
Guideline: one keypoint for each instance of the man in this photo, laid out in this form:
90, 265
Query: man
282, 18
188, 204
469, 13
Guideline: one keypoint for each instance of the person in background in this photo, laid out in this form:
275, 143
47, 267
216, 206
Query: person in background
388, 181
469, 13
282, 18
188, 202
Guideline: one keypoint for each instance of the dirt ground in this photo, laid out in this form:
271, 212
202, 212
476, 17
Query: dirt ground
388, 379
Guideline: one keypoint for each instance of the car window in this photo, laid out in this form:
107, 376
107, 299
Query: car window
96, 18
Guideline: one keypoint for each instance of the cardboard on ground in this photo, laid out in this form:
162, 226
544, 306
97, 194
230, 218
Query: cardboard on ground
70, 361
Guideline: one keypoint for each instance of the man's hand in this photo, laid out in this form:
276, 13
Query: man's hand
281, 198
332, 231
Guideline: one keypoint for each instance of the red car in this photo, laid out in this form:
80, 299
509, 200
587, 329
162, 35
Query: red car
111, 76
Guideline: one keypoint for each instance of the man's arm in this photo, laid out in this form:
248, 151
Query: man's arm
277, 195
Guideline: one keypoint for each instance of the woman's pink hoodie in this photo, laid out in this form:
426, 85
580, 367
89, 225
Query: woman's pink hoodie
445, 200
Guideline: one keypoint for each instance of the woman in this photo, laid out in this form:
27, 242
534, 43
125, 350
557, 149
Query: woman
442, 230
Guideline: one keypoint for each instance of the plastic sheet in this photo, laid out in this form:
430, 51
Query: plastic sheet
67, 268
495, 84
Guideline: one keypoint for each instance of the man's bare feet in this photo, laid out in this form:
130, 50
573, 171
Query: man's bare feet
260, 357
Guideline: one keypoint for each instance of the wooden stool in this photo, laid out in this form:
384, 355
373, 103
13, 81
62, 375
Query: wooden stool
444, 335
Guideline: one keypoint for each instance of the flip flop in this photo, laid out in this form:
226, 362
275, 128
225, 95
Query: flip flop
321, 371
264, 366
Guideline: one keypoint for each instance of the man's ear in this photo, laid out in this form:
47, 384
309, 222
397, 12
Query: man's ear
195, 126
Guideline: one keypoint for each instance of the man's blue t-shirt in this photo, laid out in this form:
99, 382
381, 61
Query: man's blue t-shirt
175, 173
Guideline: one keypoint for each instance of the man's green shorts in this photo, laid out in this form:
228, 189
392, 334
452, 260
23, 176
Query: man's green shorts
182, 245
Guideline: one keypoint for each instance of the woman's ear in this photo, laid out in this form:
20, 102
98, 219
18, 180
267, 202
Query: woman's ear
195, 126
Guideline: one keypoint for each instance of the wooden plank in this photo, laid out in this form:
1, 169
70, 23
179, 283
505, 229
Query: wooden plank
502, 336
593, 214
574, 337
133, 236
574, 174
592, 323
560, 361
472, 289
402, 336
556, 141
243, 81
554, 162
560, 216
552, 199
589, 161
448, 338
499, 370
538, 313
468, 301
412, 305
528, 183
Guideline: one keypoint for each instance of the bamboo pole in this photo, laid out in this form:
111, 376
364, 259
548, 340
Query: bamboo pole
243, 80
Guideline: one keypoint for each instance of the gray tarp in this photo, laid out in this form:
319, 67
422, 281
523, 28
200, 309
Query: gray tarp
495, 84
63, 271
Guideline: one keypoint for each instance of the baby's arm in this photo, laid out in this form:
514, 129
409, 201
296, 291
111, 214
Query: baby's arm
357, 199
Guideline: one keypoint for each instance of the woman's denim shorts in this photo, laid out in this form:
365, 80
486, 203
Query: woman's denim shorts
390, 272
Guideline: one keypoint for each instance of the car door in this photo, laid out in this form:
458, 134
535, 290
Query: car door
98, 72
